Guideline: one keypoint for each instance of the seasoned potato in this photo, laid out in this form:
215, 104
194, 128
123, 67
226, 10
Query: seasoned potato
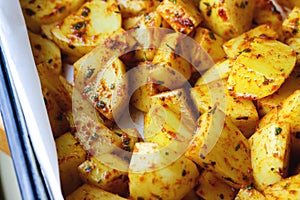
294, 43
45, 51
211, 150
236, 45
288, 188
149, 180
169, 69
290, 85
261, 69
289, 3
235, 16
89, 192
241, 112
70, 156
130, 8
249, 192
211, 188
182, 15
218, 71
267, 13
106, 177
81, 31
270, 148
210, 42
291, 26
40, 12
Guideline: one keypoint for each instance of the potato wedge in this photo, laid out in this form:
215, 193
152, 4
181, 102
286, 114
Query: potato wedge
261, 69
235, 16
291, 25
288, 188
236, 45
90, 192
106, 177
150, 180
182, 15
81, 31
40, 12
294, 43
210, 42
130, 8
45, 51
211, 188
70, 156
249, 192
210, 149
270, 148
241, 112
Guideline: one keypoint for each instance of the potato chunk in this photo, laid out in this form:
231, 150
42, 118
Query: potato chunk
182, 15
261, 69
235, 16
249, 192
270, 148
81, 31
70, 156
211, 150
291, 25
155, 178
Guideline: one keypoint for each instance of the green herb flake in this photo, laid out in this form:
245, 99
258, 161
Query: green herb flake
79, 25
286, 186
249, 187
89, 73
183, 172
242, 5
247, 50
100, 104
174, 1
85, 11
87, 90
88, 169
278, 130
112, 86
212, 111
221, 196
207, 4
212, 35
237, 147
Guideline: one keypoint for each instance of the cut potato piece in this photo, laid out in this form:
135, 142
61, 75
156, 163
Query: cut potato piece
249, 192
211, 150
211, 188
169, 69
210, 42
291, 84
237, 45
106, 177
45, 51
219, 71
288, 188
182, 15
294, 43
291, 25
90, 192
289, 3
81, 31
150, 180
40, 12
242, 112
270, 148
261, 69
130, 8
70, 156
235, 16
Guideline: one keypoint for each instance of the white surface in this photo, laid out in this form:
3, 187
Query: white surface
16, 46
8, 180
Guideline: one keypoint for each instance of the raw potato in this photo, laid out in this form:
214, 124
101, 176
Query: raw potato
235, 16
70, 156
261, 69
290, 85
81, 31
182, 15
108, 178
169, 69
169, 182
89, 192
288, 188
249, 192
211, 150
291, 25
270, 148
210, 42
130, 8
45, 51
241, 112
236, 45
41, 12
211, 188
